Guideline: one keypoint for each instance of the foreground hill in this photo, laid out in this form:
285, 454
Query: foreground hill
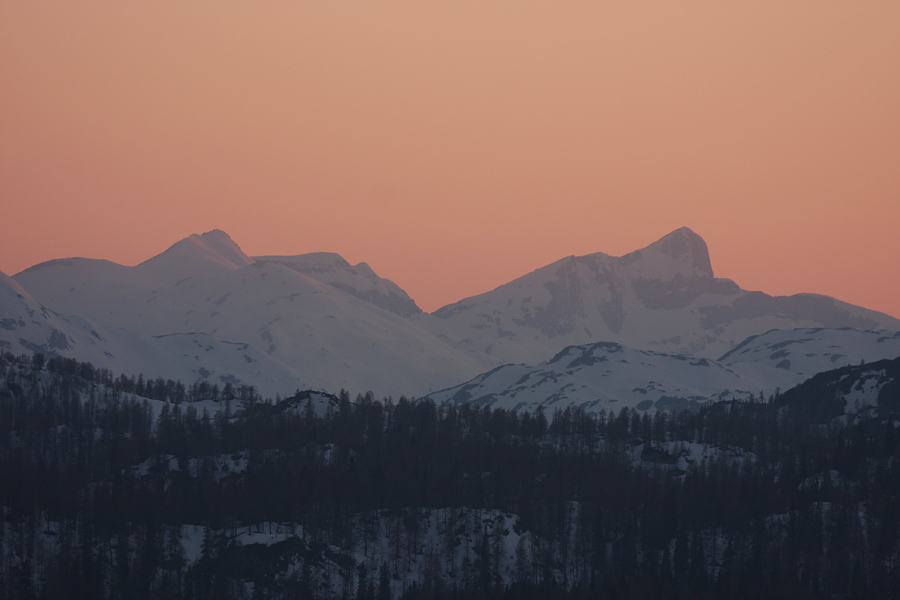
608, 376
783, 358
602, 377
871, 389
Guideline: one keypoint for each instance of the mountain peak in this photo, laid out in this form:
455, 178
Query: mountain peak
195, 253
220, 243
682, 233
682, 246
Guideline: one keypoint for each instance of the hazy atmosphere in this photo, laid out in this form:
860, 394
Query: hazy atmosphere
455, 147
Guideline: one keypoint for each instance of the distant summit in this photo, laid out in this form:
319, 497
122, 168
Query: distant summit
680, 252
204, 310
663, 297
213, 250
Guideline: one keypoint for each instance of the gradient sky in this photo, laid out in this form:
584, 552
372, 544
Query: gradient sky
457, 146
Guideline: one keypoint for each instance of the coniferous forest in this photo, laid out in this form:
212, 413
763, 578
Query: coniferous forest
117, 487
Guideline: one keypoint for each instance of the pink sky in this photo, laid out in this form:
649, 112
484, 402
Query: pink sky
457, 146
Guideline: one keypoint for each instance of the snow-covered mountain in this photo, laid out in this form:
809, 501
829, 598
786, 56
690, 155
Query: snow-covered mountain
204, 310
609, 376
871, 389
603, 376
357, 280
27, 326
663, 297
307, 331
784, 358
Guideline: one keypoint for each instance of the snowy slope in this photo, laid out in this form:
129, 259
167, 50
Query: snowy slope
663, 297
871, 388
358, 280
299, 331
204, 310
610, 376
604, 376
28, 326
784, 358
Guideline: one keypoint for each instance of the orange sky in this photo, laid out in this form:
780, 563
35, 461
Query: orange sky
455, 146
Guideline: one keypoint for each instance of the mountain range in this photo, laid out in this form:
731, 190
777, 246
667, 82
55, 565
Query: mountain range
204, 310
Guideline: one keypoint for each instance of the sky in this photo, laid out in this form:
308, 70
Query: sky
456, 146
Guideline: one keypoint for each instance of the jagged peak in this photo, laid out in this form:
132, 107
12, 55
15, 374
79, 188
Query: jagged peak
220, 243
680, 246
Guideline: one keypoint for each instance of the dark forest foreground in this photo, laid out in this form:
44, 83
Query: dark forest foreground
112, 487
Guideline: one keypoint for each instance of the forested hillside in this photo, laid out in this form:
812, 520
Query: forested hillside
114, 487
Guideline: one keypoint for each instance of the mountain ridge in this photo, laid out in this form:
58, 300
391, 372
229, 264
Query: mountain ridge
663, 297
608, 376
319, 320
